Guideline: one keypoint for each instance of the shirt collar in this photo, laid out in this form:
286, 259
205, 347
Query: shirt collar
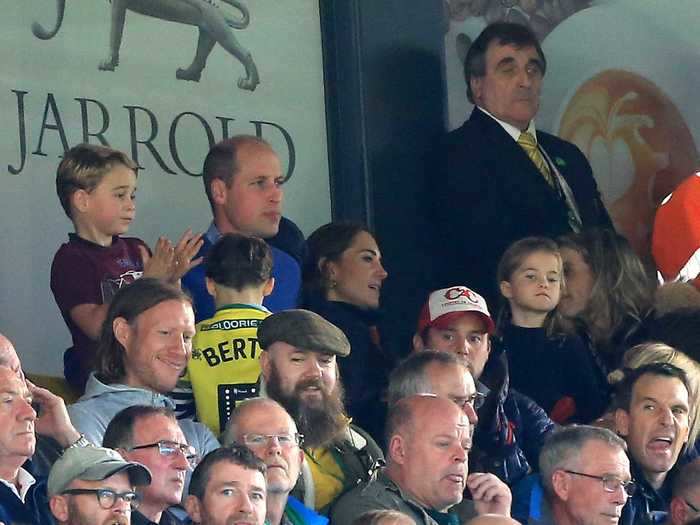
25, 481
512, 130
212, 234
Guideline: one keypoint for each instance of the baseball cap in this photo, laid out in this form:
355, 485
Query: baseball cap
305, 330
446, 304
93, 464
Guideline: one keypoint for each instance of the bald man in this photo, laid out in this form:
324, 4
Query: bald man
429, 439
9, 357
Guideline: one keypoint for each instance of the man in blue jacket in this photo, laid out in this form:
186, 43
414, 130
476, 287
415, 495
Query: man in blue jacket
243, 181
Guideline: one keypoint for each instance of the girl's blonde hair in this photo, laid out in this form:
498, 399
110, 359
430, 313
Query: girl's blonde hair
653, 352
511, 260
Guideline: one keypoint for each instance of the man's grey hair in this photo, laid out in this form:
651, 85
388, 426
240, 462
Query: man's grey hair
410, 377
230, 435
562, 449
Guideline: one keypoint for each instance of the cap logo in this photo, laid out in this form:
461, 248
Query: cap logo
455, 293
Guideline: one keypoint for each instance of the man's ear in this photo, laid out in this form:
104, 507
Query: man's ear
560, 484
397, 450
265, 364
678, 510
122, 331
506, 290
622, 422
192, 506
59, 507
418, 343
269, 286
302, 456
211, 286
476, 84
218, 191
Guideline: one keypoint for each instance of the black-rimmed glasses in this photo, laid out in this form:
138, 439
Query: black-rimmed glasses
170, 448
610, 483
263, 440
692, 507
107, 498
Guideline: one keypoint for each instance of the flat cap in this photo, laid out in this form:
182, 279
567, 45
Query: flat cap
305, 330
93, 464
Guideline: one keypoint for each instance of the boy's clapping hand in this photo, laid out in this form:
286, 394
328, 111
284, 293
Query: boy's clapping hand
184, 252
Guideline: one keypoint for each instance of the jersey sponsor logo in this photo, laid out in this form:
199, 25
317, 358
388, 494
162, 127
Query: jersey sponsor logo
227, 351
231, 324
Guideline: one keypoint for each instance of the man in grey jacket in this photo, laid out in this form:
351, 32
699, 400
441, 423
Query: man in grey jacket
426, 473
145, 344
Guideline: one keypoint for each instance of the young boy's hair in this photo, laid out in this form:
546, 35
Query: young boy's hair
238, 261
83, 167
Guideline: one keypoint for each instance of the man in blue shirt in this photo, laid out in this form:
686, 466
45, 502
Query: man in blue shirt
243, 182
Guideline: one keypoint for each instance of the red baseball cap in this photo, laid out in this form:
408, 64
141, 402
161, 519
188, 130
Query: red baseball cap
446, 304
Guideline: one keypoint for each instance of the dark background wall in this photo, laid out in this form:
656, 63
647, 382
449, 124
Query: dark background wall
385, 109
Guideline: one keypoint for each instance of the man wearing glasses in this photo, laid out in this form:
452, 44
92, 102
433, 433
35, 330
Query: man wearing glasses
266, 428
509, 437
152, 436
585, 477
96, 486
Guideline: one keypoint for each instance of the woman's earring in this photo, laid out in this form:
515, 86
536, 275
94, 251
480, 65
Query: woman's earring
332, 284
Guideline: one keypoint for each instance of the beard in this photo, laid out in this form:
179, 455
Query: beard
320, 422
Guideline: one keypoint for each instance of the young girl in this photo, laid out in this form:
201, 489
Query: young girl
554, 369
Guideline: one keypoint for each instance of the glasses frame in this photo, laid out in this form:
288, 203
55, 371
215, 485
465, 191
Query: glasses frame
691, 506
298, 439
133, 502
169, 448
628, 487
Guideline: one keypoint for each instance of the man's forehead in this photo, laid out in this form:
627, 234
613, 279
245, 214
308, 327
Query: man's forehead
227, 472
266, 418
158, 427
500, 50
604, 456
11, 382
659, 387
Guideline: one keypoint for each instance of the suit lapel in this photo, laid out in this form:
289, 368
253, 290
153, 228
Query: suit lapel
520, 182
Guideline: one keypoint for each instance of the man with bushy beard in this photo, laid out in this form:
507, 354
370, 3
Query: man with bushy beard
299, 371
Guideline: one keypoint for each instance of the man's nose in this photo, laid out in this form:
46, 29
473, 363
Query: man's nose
276, 193
666, 417
27, 410
273, 446
470, 413
620, 495
246, 506
460, 455
121, 506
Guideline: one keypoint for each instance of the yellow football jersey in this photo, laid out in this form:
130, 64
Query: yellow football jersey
225, 365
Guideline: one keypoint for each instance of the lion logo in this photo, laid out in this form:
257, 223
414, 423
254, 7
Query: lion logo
207, 15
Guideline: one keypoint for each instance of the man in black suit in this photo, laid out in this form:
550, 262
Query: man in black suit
500, 185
